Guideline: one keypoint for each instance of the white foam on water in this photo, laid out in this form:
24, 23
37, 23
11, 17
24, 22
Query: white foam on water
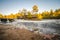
31, 25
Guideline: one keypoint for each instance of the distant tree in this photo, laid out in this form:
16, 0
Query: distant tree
35, 8
11, 16
24, 11
29, 15
39, 16
57, 13
45, 14
1, 16
51, 12
57, 10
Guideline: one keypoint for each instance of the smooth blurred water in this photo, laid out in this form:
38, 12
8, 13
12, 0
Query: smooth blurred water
44, 26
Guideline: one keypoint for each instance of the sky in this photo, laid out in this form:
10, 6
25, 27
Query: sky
13, 6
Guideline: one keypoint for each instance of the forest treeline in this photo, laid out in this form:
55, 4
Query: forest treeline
34, 14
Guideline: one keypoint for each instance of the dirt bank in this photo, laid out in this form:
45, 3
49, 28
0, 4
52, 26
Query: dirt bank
8, 32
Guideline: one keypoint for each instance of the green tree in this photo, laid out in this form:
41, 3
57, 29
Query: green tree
29, 15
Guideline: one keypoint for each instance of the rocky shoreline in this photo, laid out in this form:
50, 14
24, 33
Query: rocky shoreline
8, 32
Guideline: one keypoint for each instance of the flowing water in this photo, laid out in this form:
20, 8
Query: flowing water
43, 26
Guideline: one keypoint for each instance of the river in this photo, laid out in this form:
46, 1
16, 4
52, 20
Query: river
51, 26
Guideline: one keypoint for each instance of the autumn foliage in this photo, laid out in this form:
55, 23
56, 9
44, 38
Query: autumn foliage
34, 14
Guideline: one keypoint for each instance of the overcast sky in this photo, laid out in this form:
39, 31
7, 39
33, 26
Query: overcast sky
13, 6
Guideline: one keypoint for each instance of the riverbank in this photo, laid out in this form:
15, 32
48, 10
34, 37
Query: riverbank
9, 32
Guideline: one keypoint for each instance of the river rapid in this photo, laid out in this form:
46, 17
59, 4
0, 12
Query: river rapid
51, 26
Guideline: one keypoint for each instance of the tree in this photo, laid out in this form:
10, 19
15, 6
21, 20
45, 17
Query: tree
57, 10
11, 16
51, 12
45, 14
1, 16
57, 13
24, 11
35, 8
29, 15
39, 16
